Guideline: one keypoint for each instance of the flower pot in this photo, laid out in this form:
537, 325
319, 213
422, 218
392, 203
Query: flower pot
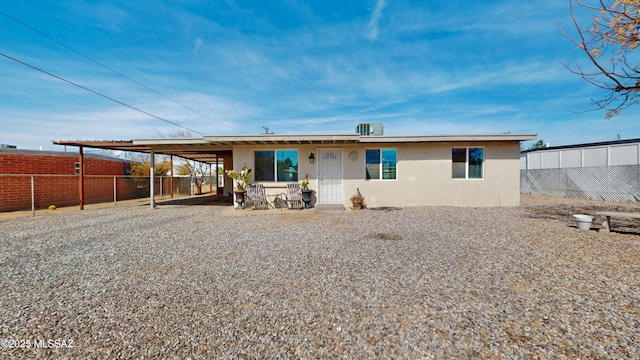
583, 222
240, 198
357, 205
306, 197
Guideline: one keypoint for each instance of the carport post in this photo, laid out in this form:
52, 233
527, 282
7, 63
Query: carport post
171, 176
81, 178
152, 179
33, 197
217, 176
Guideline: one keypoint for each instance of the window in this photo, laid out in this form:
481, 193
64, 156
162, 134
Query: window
381, 164
467, 163
276, 165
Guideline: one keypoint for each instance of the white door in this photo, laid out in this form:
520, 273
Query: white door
329, 176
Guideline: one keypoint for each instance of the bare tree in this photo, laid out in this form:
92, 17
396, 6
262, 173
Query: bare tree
197, 170
609, 45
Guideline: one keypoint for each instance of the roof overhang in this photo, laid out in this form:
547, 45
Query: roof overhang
209, 148
189, 148
447, 138
288, 139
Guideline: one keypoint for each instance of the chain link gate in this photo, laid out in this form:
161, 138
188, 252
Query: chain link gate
608, 183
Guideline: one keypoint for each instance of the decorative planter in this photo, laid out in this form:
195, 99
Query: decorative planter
583, 222
357, 205
306, 197
240, 198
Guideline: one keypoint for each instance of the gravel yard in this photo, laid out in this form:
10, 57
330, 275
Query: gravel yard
209, 282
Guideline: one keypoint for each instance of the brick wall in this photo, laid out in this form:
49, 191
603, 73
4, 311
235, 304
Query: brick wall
56, 163
55, 182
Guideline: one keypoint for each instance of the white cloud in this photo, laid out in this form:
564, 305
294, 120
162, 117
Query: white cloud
197, 45
375, 18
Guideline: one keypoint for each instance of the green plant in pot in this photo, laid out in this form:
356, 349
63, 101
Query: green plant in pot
241, 179
306, 193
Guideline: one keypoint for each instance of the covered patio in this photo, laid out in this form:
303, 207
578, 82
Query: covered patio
213, 150
193, 149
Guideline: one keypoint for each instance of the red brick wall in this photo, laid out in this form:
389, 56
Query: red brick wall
55, 182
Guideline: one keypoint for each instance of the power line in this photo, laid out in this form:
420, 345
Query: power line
96, 93
140, 42
112, 70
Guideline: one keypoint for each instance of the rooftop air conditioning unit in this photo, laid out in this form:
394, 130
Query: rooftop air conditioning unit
376, 129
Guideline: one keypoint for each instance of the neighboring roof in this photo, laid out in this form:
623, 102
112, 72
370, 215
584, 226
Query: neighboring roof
603, 143
211, 147
26, 152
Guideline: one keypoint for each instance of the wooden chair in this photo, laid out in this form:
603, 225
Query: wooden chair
294, 196
256, 197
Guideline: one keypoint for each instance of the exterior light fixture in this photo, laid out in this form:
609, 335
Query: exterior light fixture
312, 158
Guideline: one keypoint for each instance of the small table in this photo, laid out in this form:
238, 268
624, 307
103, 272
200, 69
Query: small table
277, 202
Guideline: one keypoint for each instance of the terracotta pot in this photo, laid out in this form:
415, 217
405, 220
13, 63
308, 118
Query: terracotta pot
357, 205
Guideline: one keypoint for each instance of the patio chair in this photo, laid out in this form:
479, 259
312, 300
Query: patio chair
294, 196
256, 197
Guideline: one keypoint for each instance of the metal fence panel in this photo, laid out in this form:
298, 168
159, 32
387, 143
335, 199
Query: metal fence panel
609, 183
27, 192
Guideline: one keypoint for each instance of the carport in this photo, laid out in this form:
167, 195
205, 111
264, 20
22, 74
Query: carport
217, 149
196, 149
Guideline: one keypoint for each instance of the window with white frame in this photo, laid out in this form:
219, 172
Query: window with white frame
467, 163
381, 164
276, 165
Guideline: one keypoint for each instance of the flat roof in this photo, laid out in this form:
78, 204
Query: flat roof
584, 145
189, 148
447, 138
31, 152
282, 139
211, 147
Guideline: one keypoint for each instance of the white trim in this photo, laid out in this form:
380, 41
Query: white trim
275, 165
466, 163
380, 178
441, 138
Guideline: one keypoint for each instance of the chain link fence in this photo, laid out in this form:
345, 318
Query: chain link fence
34, 192
608, 183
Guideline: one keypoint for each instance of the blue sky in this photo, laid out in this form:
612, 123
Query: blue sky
232, 67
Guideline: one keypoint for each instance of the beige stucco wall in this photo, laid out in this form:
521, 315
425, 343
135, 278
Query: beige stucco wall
424, 174
244, 155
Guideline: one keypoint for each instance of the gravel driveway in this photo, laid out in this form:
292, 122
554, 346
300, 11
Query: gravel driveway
422, 282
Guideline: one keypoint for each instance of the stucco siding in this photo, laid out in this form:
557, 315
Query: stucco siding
424, 174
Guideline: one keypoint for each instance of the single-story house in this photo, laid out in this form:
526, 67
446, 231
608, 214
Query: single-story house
415, 170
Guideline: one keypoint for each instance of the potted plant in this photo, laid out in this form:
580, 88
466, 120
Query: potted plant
306, 193
357, 200
241, 179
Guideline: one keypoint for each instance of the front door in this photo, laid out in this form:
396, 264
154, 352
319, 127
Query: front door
330, 176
